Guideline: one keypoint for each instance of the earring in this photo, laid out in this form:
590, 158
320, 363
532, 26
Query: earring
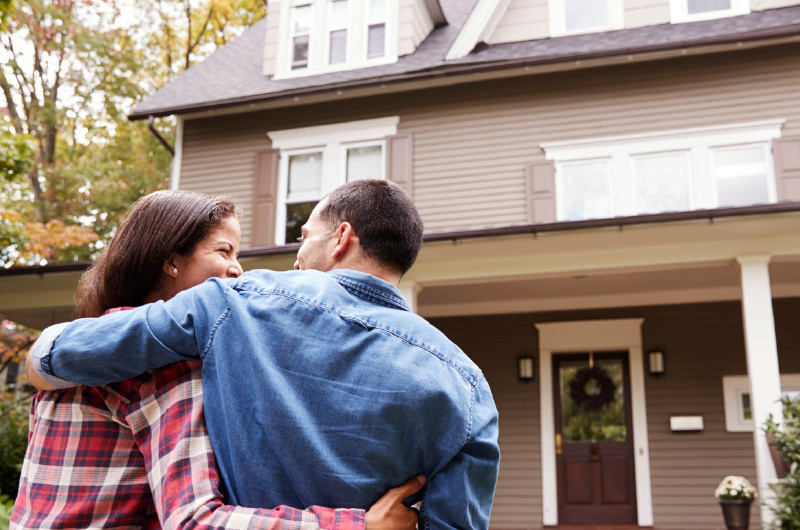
174, 270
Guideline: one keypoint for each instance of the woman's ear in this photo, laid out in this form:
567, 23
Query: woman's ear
169, 267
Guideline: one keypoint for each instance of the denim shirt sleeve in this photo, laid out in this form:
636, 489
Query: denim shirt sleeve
121, 345
460, 496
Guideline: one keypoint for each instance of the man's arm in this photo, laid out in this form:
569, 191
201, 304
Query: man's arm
460, 495
87, 351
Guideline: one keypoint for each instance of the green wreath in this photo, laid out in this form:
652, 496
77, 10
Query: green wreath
592, 389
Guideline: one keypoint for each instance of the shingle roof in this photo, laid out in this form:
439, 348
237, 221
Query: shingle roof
233, 74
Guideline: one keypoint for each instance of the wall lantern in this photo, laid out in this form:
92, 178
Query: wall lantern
525, 368
656, 363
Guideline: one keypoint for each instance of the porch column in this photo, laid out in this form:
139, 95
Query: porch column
410, 289
762, 365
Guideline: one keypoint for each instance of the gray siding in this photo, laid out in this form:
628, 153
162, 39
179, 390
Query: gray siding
702, 343
523, 20
472, 143
271, 41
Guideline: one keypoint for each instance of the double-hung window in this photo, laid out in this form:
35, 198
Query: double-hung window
671, 171
318, 36
568, 17
316, 160
691, 10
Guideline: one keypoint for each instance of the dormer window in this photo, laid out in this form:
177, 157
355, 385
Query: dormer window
301, 28
319, 36
569, 17
691, 10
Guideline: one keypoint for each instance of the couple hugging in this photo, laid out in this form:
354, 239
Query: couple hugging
320, 392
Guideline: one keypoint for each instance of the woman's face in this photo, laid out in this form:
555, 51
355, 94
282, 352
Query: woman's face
214, 257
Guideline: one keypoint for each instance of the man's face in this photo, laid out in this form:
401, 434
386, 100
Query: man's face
318, 244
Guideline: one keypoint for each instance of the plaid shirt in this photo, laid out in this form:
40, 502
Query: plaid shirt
136, 454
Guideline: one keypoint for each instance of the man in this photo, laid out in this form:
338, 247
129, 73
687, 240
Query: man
321, 387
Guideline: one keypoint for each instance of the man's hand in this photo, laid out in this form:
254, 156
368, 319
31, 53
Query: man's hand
389, 512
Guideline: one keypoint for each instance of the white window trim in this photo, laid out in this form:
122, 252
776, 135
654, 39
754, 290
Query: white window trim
679, 11
733, 386
620, 150
318, 42
558, 22
332, 140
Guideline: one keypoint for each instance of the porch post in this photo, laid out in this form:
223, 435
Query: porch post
762, 365
410, 289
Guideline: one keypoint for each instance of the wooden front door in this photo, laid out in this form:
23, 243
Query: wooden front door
594, 439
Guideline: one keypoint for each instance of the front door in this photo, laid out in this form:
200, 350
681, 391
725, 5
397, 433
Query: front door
594, 439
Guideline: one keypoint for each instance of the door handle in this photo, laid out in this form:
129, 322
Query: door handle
558, 444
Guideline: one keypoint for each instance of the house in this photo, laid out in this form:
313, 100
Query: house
611, 195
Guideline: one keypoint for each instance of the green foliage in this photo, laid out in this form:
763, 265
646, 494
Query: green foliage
785, 436
17, 153
6, 505
14, 415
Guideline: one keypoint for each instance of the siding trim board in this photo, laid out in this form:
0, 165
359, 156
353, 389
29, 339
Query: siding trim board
594, 335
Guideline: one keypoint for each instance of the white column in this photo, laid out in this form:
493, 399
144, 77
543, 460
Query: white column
177, 158
762, 365
410, 289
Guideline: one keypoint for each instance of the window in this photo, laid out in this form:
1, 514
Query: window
318, 36
315, 160
691, 10
712, 167
736, 393
301, 24
568, 17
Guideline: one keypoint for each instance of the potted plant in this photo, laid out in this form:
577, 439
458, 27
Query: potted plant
735, 495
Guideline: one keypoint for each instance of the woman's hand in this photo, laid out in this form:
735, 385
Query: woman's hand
389, 512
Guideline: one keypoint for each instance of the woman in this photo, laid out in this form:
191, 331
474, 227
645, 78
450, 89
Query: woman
136, 453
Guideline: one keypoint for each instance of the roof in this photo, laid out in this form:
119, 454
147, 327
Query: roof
233, 75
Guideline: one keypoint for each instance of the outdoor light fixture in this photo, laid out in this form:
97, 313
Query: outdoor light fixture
525, 368
656, 363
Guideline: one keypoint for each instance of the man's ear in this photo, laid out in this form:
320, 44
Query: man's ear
344, 240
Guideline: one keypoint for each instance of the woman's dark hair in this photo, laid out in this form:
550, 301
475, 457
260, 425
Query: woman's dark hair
387, 223
157, 226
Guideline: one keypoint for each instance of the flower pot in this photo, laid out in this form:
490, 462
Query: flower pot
736, 514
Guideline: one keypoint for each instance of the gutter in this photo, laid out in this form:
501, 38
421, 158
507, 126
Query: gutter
151, 127
533, 229
445, 71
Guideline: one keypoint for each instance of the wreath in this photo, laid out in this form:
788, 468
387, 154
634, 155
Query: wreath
592, 389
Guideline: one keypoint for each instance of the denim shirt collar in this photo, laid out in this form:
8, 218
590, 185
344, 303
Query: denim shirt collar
370, 288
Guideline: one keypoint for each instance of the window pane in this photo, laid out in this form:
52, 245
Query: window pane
586, 186
741, 176
585, 14
662, 182
376, 44
296, 216
338, 14
300, 53
592, 401
377, 11
305, 176
705, 6
338, 44
364, 163
302, 20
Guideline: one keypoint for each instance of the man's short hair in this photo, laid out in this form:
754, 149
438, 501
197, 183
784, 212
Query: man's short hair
385, 220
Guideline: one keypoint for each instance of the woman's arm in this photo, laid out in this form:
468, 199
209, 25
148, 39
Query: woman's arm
169, 428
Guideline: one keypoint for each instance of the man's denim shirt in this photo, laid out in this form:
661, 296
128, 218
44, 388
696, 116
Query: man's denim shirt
319, 388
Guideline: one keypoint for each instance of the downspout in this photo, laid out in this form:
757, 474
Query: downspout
157, 134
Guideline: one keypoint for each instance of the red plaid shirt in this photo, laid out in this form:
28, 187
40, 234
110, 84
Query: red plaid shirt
136, 454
